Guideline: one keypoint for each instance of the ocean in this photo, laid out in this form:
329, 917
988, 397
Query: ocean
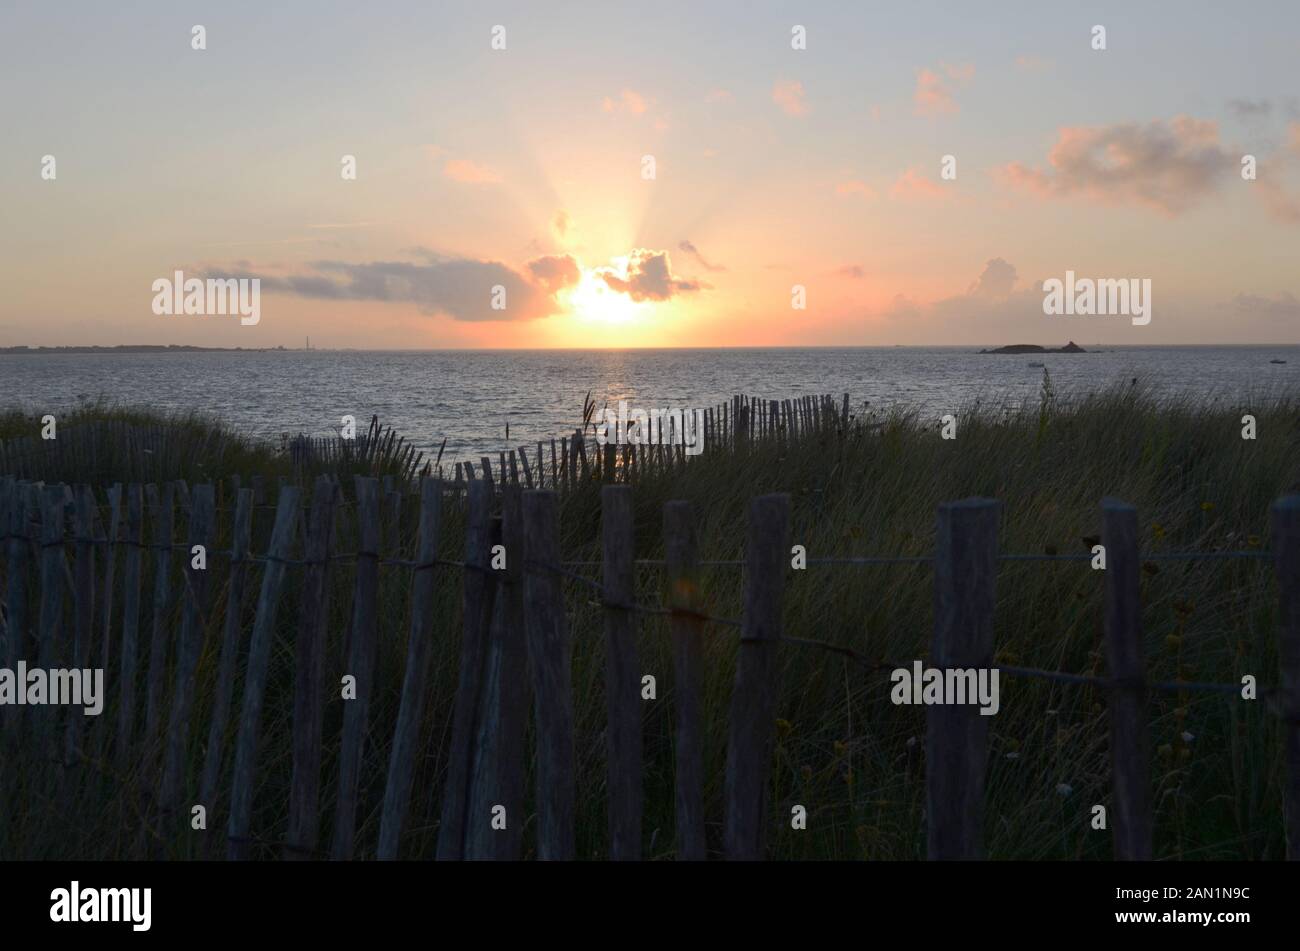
469, 397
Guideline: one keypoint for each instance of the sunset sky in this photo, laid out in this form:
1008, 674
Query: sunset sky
773, 166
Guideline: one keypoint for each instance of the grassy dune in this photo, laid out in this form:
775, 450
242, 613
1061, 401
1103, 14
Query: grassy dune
844, 751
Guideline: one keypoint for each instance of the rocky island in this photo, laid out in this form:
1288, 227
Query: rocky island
1070, 347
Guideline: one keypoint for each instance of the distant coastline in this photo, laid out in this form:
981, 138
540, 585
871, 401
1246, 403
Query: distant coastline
141, 348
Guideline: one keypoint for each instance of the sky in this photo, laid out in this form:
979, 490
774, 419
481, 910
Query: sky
690, 174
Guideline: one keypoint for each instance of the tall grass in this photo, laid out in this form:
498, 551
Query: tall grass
853, 759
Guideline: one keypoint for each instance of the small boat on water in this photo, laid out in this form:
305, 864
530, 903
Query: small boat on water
1036, 364
1277, 361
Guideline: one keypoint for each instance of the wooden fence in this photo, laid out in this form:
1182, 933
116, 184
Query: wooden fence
515, 642
152, 452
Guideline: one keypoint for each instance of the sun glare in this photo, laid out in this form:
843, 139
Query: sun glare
594, 301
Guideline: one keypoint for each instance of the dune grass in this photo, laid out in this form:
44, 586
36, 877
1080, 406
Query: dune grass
847, 754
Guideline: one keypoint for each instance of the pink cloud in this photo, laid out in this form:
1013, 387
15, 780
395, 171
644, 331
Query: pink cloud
934, 92
1031, 62
628, 101
963, 73
1278, 202
789, 96
912, 184
855, 187
469, 173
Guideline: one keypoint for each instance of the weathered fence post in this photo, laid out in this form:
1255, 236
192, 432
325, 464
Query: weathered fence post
83, 602
680, 551
193, 621
8, 495
164, 518
1286, 549
127, 670
1128, 724
54, 570
259, 652
401, 763
231, 635
550, 658
309, 677
361, 665
528, 470
956, 735
622, 676
498, 777
16, 599
580, 446
478, 593
754, 695
112, 536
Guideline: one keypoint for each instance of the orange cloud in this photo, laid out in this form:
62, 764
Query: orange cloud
789, 96
555, 272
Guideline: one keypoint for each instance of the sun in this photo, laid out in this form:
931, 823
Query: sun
593, 301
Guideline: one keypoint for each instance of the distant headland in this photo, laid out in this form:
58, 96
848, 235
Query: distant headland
140, 348
1070, 347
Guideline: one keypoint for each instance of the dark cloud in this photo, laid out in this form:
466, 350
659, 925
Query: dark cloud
1260, 108
1168, 166
694, 252
1244, 108
1285, 304
648, 276
996, 281
459, 288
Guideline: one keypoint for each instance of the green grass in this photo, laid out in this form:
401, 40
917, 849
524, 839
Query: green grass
853, 759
